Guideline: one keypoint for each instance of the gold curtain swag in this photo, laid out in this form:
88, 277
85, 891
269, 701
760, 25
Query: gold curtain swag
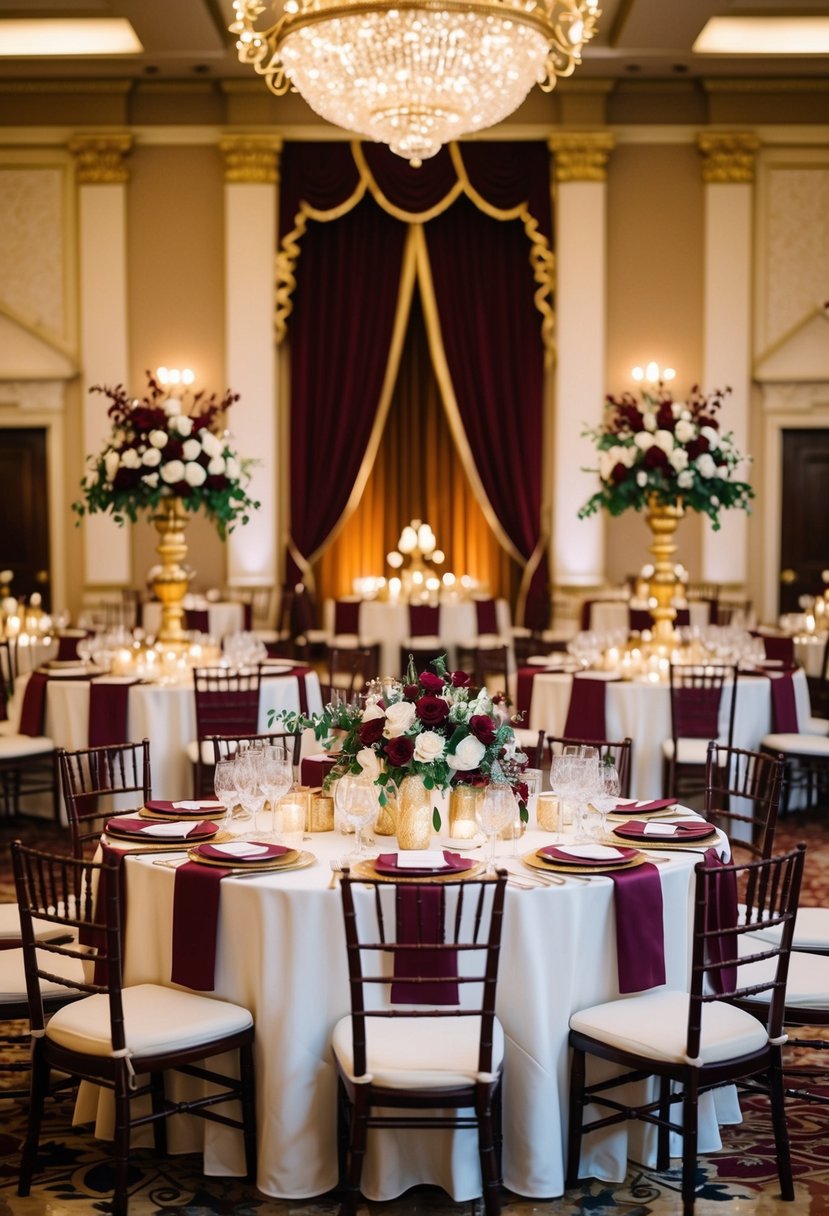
541, 256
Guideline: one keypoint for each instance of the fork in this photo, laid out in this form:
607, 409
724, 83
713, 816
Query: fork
336, 873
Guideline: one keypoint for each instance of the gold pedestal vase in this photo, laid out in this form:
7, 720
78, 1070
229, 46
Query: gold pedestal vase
663, 520
171, 581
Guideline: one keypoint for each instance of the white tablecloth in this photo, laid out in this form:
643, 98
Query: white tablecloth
643, 711
281, 952
388, 624
166, 715
610, 616
223, 617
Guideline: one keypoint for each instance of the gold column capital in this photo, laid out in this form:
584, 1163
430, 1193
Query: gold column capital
101, 159
251, 158
728, 156
581, 156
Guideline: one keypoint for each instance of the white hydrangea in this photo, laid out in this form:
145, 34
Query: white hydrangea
684, 431
211, 443
130, 459
705, 465
685, 480
678, 459
643, 440
112, 463
216, 466
195, 474
665, 441
232, 469
183, 424
159, 439
172, 471
151, 458
649, 419
711, 435
641, 478
150, 479
191, 449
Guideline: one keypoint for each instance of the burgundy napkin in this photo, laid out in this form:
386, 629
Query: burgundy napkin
721, 913
33, 709
420, 912
779, 649
108, 713
635, 829
159, 807
387, 863
314, 769
586, 711
212, 852
347, 616
783, 704
640, 945
125, 825
486, 616
658, 804
195, 923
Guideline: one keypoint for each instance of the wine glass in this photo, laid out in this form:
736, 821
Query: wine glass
225, 786
276, 775
360, 808
248, 776
495, 811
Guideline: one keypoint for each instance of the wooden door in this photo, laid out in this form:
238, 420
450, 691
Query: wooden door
804, 523
24, 510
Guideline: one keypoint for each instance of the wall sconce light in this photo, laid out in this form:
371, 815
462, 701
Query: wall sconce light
652, 374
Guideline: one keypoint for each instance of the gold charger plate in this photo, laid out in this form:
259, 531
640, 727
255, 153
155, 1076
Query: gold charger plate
302, 860
563, 867
137, 845
367, 869
176, 816
238, 863
667, 842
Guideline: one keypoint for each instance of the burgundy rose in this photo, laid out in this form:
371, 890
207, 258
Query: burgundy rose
399, 751
697, 447
460, 679
483, 728
432, 710
410, 692
707, 420
665, 417
371, 731
631, 416
522, 792
655, 458
619, 473
431, 682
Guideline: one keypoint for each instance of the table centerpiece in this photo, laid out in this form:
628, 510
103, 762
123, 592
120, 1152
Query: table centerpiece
666, 457
168, 454
424, 735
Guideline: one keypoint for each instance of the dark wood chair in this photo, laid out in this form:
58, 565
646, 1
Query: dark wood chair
423, 643
662, 1032
742, 796
225, 746
144, 1029
620, 749
227, 703
93, 779
350, 668
422, 1035
696, 692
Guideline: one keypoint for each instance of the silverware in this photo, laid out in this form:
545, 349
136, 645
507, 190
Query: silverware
336, 873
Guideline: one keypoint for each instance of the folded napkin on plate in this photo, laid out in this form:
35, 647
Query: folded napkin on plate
657, 804
192, 805
691, 828
420, 859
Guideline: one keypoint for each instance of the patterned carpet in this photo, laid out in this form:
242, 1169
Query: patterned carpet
75, 1175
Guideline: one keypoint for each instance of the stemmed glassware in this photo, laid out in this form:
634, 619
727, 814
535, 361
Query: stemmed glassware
249, 778
496, 810
359, 808
276, 775
574, 776
225, 786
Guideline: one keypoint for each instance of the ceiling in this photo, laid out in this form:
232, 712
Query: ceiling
187, 39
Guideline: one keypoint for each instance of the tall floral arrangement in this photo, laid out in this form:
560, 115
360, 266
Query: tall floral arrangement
165, 446
656, 449
436, 725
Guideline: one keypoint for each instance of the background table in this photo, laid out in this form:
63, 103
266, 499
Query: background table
223, 616
642, 711
281, 952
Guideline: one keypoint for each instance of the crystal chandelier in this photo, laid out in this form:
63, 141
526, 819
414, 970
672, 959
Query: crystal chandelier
415, 73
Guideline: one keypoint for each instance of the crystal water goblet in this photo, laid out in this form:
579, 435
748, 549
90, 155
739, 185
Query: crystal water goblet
496, 810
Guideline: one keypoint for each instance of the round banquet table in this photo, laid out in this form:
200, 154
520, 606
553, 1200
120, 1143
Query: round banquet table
280, 951
611, 616
642, 710
388, 623
166, 715
223, 616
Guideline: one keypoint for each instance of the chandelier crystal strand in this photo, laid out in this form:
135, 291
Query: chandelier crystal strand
415, 73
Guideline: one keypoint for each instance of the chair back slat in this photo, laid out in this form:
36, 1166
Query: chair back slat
742, 795
696, 695
227, 702
92, 778
226, 746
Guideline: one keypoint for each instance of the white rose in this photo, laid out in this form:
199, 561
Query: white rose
705, 465
172, 407
191, 449
211, 443
665, 441
641, 478
216, 466
373, 711
686, 414
232, 469
151, 458
112, 462
684, 431
368, 762
130, 459
606, 463
429, 746
150, 479
685, 480
643, 440
194, 474
627, 456
678, 459
711, 435
158, 439
399, 717
649, 421
467, 755
183, 424
172, 472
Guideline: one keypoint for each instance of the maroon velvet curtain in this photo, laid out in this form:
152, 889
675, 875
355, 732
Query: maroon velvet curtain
347, 277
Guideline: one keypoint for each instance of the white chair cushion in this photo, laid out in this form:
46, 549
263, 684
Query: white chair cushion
13, 976
12, 746
423, 642
490, 641
156, 1020
689, 751
345, 641
816, 726
10, 926
192, 750
418, 1053
654, 1025
811, 930
807, 986
797, 744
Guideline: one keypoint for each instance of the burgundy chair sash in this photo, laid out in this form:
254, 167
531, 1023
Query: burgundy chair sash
108, 713
424, 620
420, 911
721, 912
33, 709
524, 690
586, 711
197, 620
779, 650
639, 619
783, 704
697, 712
487, 616
347, 617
